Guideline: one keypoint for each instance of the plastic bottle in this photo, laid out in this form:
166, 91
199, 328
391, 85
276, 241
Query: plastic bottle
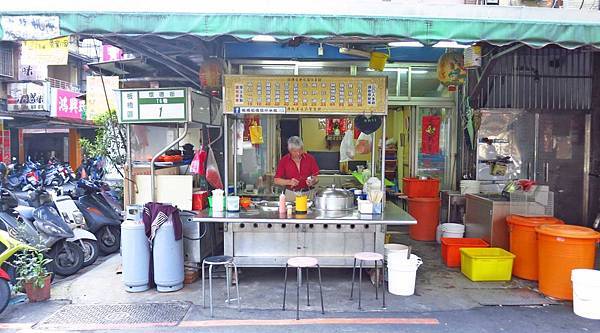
282, 204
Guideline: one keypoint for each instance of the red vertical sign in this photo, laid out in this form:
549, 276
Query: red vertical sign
430, 135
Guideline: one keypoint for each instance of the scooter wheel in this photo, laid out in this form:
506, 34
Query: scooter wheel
4, 294
67, 258
109, 239
90, 251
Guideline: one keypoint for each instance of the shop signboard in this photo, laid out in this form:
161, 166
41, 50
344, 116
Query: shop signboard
97, 93
28, 97
35, 72
24, 27
305, 94
153, 105
65, 104
48, 52
111, 53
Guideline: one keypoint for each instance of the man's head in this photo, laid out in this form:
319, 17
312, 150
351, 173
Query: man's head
295, 146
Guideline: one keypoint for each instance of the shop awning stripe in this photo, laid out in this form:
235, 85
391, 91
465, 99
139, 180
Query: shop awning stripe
533, 26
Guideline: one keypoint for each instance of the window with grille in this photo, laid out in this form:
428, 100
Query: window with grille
6, 60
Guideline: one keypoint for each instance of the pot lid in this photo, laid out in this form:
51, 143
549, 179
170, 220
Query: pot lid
568, 231
333, 192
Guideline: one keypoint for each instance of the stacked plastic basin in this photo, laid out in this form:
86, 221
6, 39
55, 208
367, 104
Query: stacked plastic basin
424, 206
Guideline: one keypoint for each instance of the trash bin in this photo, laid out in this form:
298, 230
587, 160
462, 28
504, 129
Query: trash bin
561, 249
523, 243
427, 213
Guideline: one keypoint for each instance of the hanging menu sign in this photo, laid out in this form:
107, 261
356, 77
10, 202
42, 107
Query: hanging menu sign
153, 105
305, 94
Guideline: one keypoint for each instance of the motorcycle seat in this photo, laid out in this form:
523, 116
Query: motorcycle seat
25, 211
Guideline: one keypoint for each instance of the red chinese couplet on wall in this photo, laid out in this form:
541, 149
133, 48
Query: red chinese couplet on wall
430, 135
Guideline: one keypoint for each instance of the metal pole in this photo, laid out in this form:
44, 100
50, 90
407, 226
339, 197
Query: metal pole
162, 151
226, 153
383, 125
373, 147
129, 165
235, 148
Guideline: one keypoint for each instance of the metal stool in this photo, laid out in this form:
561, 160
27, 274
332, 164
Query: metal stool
368, 256
299, 263
227, 262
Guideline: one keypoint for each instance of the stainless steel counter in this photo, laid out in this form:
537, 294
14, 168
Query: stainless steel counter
392, 215
258, 238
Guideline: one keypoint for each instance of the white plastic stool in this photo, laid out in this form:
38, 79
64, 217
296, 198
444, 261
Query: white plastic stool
299, 263
368, 256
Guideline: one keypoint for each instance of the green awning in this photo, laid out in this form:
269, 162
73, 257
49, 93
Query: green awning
284, 19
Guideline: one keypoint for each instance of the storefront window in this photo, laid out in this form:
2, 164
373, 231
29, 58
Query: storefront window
320, 70
268, 69
391, 73
425, 83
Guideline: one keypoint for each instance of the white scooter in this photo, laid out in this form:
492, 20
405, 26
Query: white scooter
72, 215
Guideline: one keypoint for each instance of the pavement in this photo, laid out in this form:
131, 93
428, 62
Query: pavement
444, 301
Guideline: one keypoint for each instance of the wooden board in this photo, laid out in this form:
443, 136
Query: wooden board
256, 94
172, 189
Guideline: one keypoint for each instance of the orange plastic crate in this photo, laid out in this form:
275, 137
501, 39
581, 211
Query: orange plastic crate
421, 188
451, 248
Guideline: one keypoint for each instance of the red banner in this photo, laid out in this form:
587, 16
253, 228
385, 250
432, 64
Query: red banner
430, 135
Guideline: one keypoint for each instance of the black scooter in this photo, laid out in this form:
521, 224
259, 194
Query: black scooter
101, 219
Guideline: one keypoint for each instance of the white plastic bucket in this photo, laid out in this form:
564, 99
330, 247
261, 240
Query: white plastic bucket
399, 250
469, 186
438, 233
453, 230
586, 293
402, 275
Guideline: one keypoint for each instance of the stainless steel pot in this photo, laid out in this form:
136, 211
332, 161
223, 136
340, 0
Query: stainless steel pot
334, 199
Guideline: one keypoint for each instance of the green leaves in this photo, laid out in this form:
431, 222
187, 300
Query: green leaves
31, 267
109, 141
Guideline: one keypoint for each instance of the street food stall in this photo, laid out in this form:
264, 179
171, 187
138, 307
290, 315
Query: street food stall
263, 236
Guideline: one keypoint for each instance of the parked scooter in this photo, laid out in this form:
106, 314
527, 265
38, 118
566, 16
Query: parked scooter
43, 226
10, 246
101, 219
68, 209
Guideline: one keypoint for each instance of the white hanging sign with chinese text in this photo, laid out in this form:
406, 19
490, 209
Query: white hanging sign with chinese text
30, 27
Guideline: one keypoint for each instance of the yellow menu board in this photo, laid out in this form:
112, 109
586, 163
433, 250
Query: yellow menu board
258, 94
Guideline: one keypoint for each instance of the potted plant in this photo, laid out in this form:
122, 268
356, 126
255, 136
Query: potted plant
32, 275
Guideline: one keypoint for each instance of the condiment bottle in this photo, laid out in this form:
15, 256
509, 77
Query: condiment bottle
282, 208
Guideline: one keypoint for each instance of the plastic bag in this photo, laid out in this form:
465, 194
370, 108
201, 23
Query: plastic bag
198, 165
213, 176
363, 144
256, 136
347, 151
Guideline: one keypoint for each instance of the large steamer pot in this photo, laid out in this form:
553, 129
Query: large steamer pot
334, 199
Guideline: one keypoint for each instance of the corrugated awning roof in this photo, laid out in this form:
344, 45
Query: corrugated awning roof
285, 19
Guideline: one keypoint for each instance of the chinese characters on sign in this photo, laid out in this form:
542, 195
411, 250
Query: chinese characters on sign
27, 97
305, 94
46, 52
36, 72
65, 104
111, 53
154, 105
430, 135
30, 27
95, 97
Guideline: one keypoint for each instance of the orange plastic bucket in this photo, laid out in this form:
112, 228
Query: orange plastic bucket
563, 248
523, 243
427, 213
